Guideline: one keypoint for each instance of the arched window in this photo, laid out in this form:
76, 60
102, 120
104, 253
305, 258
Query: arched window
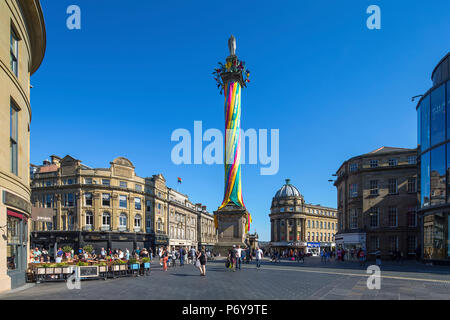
106, 221
89, 219
137, 221
123, 221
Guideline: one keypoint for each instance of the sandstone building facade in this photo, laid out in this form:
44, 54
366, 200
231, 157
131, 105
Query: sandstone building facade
295, 224
377, 202
108, 207
22, 49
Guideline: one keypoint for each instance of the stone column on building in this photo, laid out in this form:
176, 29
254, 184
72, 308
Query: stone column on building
286, 225
295, 229
304, 229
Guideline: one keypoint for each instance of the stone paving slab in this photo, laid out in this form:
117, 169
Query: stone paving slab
285, 280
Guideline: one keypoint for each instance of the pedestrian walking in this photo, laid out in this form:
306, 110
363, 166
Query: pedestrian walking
258, 257
201, 261
361, 257
182, 254
165, 258
378, 257
238, 257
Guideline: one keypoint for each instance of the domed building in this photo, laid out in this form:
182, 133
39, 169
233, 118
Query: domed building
295, 224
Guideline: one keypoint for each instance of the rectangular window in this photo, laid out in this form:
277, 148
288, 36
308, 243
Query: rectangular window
309, 223
122, 201
412, 160
88, 199
353, 190
393, 243
13, 134
353, 167
353, 219
88, 180
412, 244
374, 217
392, 186
70, 200
106, 199
411, 185
373, 187
392, 162
374, 243
373, 163
392, 216
148, 207
412, 217
106, 182
138, 188
14, 52
48, 200
123, 184
137, 203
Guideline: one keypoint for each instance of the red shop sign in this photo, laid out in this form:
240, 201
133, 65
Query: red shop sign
16, 214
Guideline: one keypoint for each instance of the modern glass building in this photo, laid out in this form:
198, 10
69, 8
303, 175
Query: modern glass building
433, 114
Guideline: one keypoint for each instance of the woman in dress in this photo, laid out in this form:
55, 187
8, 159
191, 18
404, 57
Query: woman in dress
201, 257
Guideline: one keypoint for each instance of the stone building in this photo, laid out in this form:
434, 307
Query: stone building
206, 230
111, 208
295, 224
377, 202
182, 221
22, 49
105, 207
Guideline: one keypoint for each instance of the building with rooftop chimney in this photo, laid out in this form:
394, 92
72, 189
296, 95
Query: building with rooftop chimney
113, 207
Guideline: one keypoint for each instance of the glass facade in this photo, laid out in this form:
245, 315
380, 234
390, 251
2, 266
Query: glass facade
433, 122
433, 126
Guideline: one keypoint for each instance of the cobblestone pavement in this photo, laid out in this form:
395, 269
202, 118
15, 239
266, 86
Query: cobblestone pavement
284, 280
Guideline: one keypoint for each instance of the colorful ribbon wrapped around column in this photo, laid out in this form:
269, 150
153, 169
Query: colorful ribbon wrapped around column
232, 156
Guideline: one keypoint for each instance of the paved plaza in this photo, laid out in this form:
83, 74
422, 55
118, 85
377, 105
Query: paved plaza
284, 280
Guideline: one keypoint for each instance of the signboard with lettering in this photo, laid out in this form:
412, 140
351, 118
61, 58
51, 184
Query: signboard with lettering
10, 199
313, 244
87, 272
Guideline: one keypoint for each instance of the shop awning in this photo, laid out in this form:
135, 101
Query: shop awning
42, 214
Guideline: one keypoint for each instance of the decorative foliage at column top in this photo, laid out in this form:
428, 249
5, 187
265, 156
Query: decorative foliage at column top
233, 67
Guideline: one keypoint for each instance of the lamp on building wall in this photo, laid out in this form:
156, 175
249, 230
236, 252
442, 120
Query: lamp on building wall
413, 98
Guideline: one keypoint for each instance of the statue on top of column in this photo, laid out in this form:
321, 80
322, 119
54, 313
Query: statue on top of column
232, 45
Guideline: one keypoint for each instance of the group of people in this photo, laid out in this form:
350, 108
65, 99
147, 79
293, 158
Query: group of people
236, 257
169, 257
297, 255
43, 256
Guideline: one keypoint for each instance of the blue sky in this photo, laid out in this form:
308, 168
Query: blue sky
137, 70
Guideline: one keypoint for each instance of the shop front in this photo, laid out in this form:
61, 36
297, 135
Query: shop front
436, 232
347, 241
313, 248
17, 247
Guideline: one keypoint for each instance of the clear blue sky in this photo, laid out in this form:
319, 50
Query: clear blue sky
137, 70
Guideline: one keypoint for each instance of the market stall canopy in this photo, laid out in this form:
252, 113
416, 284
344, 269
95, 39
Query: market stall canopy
42, 214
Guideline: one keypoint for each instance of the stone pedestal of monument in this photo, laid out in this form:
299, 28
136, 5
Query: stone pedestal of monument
231, 228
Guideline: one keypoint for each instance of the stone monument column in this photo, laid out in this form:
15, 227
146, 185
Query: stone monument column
232, 218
